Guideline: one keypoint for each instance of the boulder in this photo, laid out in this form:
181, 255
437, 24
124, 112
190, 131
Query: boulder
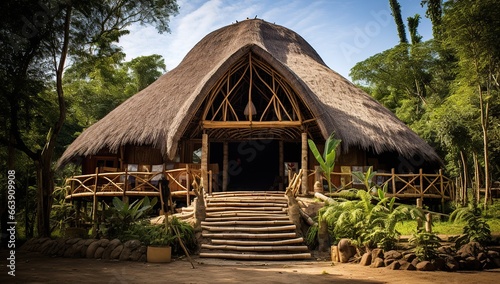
109, 249
409, 257
425, 266
91, 249
405, 265
392, 254
98, 252
378, 262
395, 265
346, 250
115, 254
378, 252
470, 249
366, 259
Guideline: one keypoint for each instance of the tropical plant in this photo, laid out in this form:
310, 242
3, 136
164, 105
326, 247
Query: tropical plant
365, 222
426, 244
366, 178
327, 161
171, 233
476, 228
123, 217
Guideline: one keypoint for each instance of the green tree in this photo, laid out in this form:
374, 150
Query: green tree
146, 69
471, 30
396, 13
39, 38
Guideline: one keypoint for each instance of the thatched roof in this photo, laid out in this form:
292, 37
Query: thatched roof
159, 114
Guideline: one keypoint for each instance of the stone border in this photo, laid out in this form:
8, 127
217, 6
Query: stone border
88, 248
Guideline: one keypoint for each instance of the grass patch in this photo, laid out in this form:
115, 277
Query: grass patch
445, 227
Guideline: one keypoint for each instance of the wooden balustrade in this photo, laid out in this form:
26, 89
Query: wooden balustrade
412, 185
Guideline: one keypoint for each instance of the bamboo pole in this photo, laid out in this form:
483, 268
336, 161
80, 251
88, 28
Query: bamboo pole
204, 160
225, 166
281, 165
304, 163
299, 240
393, 177
420, 171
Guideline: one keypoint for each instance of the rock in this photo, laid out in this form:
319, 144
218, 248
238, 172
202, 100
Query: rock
425, 266
472, 263
73, 241
410, 257
452, 265
91, 249
378, 262
366, 259
346, 250
98, 252
378, 252
103, 242
405, 265
482, 256
388, 261
395, 265
132, 244
115, 254
415, 262
439, 264
392, 254
125, 254
138, 253
109, 249
446, 250
470, 249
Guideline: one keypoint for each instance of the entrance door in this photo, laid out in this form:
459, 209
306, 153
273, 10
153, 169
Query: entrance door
253, 165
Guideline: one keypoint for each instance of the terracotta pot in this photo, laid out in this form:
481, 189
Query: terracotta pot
159, 254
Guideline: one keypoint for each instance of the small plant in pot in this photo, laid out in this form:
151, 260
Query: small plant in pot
159, 239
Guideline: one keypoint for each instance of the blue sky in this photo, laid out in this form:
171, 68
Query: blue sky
343, 32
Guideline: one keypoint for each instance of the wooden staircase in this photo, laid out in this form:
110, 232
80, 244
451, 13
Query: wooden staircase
251, 226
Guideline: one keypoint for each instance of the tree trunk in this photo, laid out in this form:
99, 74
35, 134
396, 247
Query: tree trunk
45, 173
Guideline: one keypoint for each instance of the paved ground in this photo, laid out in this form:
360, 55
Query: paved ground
36, 268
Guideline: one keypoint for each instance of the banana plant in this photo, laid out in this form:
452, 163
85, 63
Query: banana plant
327, 161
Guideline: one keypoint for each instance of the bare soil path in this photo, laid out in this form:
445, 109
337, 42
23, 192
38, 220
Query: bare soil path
36, 268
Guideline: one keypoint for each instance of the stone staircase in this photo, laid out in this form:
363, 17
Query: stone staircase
251, 226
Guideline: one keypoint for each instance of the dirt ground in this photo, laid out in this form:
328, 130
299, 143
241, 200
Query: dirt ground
36, 268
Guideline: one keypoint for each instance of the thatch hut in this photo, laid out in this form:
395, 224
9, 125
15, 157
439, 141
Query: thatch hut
243, 102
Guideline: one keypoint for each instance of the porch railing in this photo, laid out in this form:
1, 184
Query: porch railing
418, 185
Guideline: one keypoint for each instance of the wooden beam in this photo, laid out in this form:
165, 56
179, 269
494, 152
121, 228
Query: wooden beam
249, 124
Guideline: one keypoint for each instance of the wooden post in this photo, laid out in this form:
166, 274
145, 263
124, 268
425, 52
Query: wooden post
204, 160
225, 165
304, 163
94, 203
188, 184
421, 173
419, 221
282, 165
393, 176
428, 223
441, 188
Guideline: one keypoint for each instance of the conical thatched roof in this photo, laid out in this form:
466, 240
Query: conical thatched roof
159, 114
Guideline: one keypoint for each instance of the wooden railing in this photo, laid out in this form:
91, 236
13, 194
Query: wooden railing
419, 185
127, 183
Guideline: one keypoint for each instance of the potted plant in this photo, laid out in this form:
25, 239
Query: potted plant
159, 239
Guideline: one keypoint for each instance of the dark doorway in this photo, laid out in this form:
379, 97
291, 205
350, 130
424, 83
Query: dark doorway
253, 164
